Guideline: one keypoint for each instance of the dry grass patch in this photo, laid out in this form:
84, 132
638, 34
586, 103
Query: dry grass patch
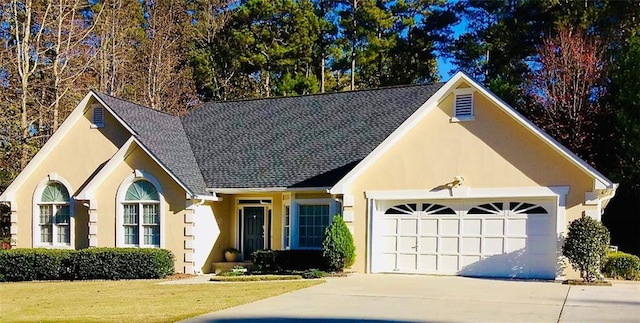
128, 301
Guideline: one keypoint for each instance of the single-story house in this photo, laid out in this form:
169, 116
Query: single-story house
440, 179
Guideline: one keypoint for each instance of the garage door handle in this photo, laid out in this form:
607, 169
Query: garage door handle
414, 247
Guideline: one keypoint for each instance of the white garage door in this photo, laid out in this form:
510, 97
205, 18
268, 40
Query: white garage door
509, 238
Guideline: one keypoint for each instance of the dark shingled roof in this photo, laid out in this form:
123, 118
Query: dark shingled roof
301, 141
164, 136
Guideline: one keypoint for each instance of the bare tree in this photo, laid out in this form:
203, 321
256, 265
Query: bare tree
27, 28
73, 54
119, 31
567, 88
165, 76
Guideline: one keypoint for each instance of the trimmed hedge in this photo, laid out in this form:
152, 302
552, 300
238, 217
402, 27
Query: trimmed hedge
279, 260
95, 263
621, 265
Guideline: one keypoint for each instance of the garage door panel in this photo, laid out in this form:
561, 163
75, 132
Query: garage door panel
516, 244
450, 226
408, 226
389, 226
448, 264
429, 226
539, 225
429, 244
493, 246
389, 244
539, 245
494, 227
471, 226
389, 262
407, 262
407, 244
427, 263
469, 260
449, 245
501, 238
471, 246
517, 227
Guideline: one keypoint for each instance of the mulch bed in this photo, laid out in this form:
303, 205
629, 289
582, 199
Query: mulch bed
579, 282
179, 276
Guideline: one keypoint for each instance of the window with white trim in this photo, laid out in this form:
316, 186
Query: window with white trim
141, 215
54, 215
308, 222
463, 105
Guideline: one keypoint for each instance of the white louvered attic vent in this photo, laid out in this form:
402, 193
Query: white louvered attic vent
98, 116
463, 107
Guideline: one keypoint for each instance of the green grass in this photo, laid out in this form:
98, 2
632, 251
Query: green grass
248, 278
128, 301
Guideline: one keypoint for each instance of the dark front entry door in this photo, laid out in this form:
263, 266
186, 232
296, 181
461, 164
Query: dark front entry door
253, 232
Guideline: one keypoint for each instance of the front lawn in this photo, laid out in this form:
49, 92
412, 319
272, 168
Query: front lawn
128, 301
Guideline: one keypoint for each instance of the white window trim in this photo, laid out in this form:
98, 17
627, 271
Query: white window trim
120, 202
37, 196
286, 241
334, 208
471, 117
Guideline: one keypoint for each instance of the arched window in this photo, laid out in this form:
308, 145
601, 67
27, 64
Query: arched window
141, 215
54, 216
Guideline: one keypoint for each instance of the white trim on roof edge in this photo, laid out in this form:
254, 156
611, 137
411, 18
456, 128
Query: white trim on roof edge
115, 115
239, 190
9, 194
600, 181
118, 157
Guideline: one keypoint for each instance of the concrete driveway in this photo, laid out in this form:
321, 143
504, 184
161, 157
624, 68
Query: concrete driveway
409, 298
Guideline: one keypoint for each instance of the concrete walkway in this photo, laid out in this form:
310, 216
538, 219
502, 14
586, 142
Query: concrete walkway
415, 298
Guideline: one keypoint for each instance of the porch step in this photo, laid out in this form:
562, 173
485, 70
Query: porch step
219, 267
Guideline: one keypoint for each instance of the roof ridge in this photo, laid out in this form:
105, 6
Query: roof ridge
319, 94
134, 103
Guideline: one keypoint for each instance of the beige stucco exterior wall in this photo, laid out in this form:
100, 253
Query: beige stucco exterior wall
492, 151
74, 159
173, 207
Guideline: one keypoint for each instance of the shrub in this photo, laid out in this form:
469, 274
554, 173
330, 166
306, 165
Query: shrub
338, 248
313, 274
98, 263
300, 259
621, 265
273, 261
586, 246
266, 261
33, 264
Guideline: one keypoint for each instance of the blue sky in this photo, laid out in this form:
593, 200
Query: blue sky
445, 66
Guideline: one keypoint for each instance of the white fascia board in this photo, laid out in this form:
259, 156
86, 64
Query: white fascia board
9, 194
266, 189
114, 115
396, 135
550, 191
209, 198
107, 169
600, 181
